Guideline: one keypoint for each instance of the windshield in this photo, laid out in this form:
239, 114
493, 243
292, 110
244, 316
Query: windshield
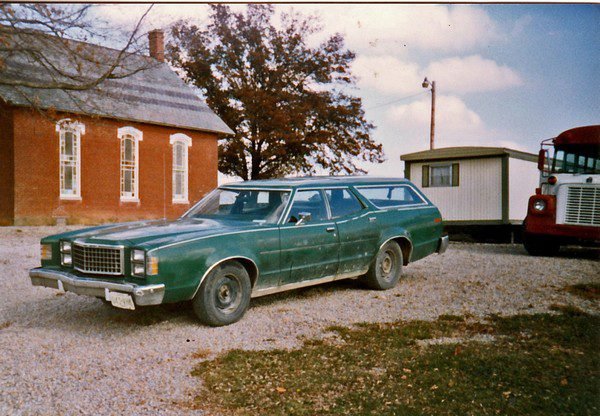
575, 162
262, 206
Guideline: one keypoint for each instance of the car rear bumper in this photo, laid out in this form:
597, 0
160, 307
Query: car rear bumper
57, 279
443, 244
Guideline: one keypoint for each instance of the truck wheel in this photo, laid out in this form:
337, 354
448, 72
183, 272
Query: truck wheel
386, 269
224, 295
540, 245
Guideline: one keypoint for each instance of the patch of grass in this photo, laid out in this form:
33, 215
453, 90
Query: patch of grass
590, 291
540, 365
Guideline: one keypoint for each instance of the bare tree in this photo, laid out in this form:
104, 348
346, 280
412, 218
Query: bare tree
52, 39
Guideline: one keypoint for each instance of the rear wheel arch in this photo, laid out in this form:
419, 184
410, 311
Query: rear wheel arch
405, 245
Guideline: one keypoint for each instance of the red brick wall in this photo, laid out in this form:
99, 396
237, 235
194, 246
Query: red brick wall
37, 192
6, 166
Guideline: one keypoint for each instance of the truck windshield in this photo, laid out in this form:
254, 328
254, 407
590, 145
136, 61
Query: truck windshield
573, 162
261, 206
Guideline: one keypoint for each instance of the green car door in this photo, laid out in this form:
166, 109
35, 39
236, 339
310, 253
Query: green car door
309, 247
357, 227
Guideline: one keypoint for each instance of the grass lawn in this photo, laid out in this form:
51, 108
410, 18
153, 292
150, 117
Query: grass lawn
545, 364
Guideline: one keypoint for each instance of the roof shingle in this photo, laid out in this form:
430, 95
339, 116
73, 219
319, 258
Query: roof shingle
154, 95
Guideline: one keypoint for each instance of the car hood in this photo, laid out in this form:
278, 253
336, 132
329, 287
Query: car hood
153, 234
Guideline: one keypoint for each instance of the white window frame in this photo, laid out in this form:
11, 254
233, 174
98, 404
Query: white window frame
137, 135
186, 141
77, 129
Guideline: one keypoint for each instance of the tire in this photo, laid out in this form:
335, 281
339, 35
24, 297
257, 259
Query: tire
224, 295
386, 269
537, 245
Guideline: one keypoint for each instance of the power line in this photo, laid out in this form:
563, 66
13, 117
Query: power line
397, 100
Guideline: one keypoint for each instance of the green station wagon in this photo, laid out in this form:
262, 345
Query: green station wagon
250, 239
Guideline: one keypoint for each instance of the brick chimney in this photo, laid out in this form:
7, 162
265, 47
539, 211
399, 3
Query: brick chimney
156, 40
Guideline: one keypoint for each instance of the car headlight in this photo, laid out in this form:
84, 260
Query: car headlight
539, 205
138, 269
65, 246
46, 251
138, 262
66, 259
138, 256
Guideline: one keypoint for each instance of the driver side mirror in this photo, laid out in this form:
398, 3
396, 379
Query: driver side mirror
304, 217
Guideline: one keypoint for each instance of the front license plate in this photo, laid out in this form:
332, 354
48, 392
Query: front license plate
121, 300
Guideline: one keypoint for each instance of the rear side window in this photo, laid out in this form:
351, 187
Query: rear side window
310, 202
391, 196
342, 202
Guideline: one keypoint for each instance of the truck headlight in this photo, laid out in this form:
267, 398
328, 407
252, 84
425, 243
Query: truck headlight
46, 251
539, 205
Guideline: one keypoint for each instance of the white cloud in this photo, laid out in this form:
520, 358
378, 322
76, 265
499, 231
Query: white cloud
456, 124
394, 28
387, 74
472, 74
391, 75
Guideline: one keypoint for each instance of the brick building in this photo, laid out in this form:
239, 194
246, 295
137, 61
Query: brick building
140, 147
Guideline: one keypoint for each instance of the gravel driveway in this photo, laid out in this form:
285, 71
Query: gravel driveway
66, 354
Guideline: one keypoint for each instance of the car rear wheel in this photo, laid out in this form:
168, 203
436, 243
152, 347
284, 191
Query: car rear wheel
224, 295
386, 269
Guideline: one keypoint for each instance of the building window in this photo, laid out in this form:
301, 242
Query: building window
440, 175
130, 163
70, 158
180, 143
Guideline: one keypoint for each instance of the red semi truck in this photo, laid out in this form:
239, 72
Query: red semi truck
566, 206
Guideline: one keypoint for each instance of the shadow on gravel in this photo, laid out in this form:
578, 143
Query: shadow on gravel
90, 316
569, 252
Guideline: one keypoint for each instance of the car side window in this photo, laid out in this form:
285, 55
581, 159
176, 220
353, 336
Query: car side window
391, 196
342, 202
311, 202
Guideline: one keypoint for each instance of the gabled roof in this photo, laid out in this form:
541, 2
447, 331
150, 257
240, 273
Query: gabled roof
154, 95
466, 152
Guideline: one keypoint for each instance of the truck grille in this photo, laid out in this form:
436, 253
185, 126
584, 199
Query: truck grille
583, 205
98, 259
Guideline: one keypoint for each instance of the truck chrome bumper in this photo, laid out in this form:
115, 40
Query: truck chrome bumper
443, 244
57, 279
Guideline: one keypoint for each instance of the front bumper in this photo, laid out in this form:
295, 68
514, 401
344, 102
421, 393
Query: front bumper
57, 279
443, 244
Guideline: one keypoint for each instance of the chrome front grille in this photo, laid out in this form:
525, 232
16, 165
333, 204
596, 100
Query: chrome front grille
583, 205
98, 259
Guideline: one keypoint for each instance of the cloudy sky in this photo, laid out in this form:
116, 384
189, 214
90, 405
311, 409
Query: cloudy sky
506, 75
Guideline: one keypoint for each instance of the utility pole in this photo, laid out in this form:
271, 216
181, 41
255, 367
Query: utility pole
427, 84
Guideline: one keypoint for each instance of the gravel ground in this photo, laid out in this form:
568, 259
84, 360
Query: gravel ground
67, 354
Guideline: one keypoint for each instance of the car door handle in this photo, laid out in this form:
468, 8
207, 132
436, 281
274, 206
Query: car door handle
330, 229
372, 219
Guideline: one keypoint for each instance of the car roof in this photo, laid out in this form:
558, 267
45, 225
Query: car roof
315, 181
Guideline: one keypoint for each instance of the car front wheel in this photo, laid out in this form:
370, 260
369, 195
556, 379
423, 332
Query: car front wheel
386, 269
224, 295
